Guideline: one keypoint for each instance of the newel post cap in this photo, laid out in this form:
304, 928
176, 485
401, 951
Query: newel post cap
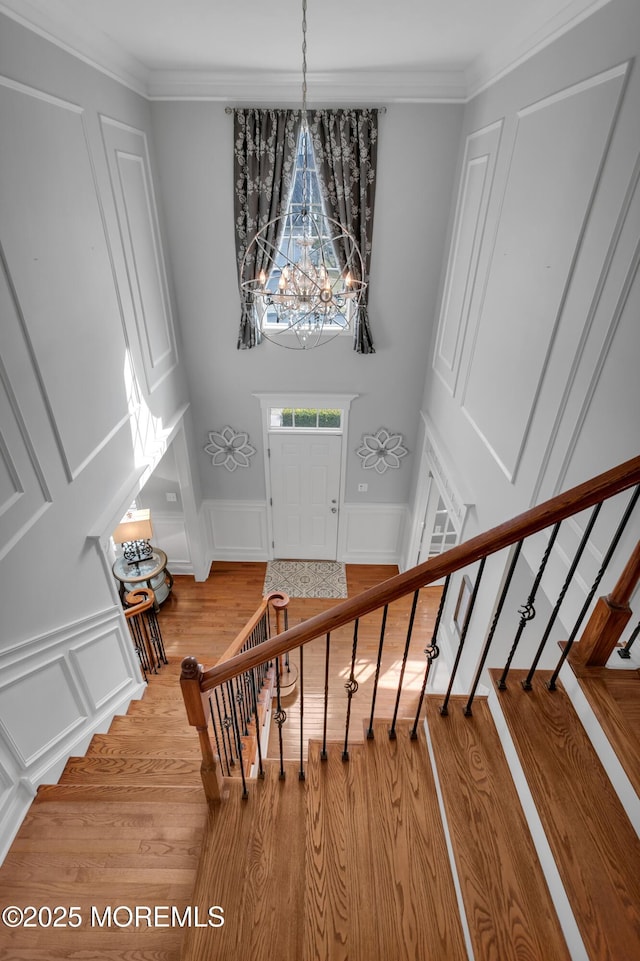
191, 670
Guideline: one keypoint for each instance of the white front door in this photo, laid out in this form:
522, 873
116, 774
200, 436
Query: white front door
305, 494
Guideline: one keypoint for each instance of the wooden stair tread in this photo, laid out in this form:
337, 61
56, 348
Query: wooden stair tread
508, 906
170, 851
377, 865
593, 842
260, 842
170, 795
150, 723
110, 819
409, 849
614, 696
156, 745
131, 770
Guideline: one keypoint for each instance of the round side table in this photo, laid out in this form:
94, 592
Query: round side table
151, 572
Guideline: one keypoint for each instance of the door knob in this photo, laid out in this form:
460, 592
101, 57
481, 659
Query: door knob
334, 510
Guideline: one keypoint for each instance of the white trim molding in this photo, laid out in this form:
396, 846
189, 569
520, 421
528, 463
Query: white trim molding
372, 533
236, 530
80, 675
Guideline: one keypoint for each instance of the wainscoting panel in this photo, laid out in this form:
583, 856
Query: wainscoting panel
57, 690
559, 148
153, 328
460, 286
23, 490
60, 267
603, 388
169, 533
101, 668
39, 709
372, 533
6, 792
237, 530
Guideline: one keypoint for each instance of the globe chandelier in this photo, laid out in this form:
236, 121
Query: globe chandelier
315, 284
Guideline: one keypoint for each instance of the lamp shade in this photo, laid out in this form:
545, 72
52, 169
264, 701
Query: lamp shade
135, 526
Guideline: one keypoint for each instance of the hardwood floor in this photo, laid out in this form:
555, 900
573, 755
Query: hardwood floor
351, 864
125, 824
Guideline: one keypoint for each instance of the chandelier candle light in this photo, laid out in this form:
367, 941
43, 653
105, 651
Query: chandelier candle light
316, 281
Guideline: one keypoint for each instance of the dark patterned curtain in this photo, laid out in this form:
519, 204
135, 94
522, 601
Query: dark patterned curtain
345, 143
264, 147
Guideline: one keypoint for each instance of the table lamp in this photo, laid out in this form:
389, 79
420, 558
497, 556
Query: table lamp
134, 532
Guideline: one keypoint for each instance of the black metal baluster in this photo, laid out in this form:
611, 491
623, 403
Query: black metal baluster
492, 629
236, 726
323, 752
574, 564
239, 706
624, 652
383, 627
528, 612
227, 723
258, 726
605, 563
215, 729
414, 605
224, 745
444, 710
350, 687
301, 776
138, 643
279, 717
432, 651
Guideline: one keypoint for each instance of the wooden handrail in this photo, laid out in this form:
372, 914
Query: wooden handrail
278, 599
141, 600
535, 519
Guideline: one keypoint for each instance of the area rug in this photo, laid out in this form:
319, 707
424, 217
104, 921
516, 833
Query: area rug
306, 578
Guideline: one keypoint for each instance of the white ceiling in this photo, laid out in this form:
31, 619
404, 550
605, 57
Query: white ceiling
397, 49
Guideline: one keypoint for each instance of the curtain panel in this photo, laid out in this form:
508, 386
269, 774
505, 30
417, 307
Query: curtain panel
345, 143
264, 147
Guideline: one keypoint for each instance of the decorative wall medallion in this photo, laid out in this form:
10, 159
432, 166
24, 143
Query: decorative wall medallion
381, 450
229, 448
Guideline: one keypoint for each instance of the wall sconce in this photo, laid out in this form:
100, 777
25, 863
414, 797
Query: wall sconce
134, 533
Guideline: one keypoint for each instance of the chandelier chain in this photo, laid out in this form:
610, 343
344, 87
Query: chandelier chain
304, 58
305, 129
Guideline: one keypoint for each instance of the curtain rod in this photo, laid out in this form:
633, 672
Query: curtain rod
379, 109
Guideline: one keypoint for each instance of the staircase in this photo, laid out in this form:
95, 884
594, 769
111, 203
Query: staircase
123, 827
413, 850
480, 827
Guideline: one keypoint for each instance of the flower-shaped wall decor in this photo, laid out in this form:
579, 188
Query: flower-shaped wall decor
229, 448
381, 450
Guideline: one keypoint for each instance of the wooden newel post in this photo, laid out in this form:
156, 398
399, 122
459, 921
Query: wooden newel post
279, 601
210, 768
609, 619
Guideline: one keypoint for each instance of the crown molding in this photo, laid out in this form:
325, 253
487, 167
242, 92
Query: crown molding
426, 86
498, 61
55, 22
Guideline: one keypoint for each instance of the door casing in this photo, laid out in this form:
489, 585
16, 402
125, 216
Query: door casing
310, 400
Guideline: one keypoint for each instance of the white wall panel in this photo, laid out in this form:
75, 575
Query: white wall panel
38, 710
5, 791
238, 530
460, 285
559, 148
101, 668
372, 533
151, 330
170, 534
57, 254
